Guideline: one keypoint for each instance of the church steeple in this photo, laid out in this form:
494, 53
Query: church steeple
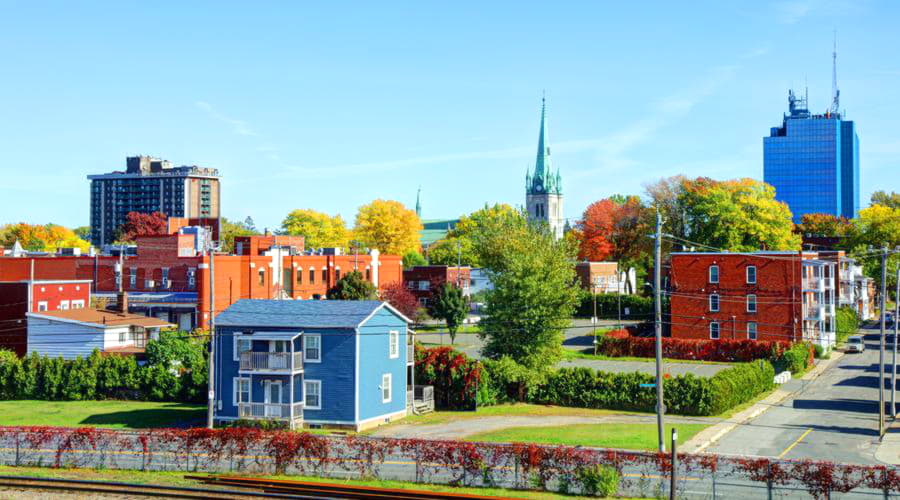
418, 203
544, 179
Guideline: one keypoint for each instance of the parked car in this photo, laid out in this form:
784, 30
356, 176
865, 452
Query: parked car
855, 344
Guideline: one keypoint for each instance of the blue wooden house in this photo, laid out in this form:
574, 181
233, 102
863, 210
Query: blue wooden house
313, 363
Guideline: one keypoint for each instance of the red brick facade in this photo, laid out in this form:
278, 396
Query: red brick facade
15, 301
762, 291
424, 281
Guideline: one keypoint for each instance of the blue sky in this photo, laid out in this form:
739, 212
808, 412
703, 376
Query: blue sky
328, 106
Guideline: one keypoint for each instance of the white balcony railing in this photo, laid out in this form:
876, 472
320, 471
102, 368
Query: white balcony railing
269, 410
814, 284
271, 361
813, 312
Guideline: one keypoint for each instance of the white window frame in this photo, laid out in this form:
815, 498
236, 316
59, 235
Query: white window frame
192, 277
132, 277
78, 304
238, 338
42, 306
718, 330
394, 344
755, 334
710, 276
318, 384
718, 302
387, 380
319, 339
235, 386
753, 282
754, 302
63, 305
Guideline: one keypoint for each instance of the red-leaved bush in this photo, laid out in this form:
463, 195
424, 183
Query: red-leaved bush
618, 343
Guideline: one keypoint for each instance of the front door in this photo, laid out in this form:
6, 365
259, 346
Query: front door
273, 398
278, 360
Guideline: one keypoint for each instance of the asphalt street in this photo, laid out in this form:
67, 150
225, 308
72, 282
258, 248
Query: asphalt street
834, 417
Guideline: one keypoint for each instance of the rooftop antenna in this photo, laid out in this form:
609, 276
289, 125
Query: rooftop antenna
835, 93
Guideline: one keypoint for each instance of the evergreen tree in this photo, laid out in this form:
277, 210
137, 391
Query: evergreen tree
451, 306
352, 286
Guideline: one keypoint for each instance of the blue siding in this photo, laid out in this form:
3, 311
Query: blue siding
337, 373
375, 360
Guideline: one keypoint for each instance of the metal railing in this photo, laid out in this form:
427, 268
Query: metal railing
271, 361
813, 311
269, 410
420, 395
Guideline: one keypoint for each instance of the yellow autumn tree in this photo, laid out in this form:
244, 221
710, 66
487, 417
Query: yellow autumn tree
388, 226
38, 238
319, 230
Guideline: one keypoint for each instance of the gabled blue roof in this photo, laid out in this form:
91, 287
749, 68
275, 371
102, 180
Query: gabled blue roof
300, 313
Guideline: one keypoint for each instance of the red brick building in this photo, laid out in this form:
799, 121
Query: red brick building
787, 296
168, 279
17, 298
424, 281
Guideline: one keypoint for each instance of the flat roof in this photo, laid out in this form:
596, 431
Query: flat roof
101, 318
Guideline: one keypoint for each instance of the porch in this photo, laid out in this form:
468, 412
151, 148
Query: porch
420, 398
266, 397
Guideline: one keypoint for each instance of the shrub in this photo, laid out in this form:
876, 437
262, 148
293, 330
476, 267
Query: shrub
846, 323
794, 359
598, 480
618, 343
608, 305
739, 384
454, 376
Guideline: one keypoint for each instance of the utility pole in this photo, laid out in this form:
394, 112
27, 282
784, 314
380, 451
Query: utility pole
672, 487
212, 339
618, 294
660, 406
894, 357
458, 261
881, 344
121, 269
594, 317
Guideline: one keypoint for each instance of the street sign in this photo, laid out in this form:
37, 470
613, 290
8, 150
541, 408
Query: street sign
648, 385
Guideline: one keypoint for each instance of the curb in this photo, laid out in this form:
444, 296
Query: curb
721, 429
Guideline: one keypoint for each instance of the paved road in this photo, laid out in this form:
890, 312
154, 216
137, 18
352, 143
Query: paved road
834, 417
578, 337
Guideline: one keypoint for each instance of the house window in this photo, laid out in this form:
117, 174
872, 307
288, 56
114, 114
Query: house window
423, 285
714, 302
714, 330
386, 388
368, 274
394, 337
241, 343
42, 305
324, 275
241, 391
312, 276
299, 275
312, 348
64, 305
713, 274
312, 394
165, 277
751, 275
262, 277
337, 274
751, 303
77, 304
192, 277
751, 330
132, 277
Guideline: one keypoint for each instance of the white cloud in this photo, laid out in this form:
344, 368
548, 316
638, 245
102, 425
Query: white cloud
239, 127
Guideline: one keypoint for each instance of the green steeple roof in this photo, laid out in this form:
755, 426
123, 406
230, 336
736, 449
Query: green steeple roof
543, 180
418, 204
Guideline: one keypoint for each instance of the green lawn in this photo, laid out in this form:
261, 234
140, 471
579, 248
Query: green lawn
443, 329
515, 409
625, 436
174, 478
112, 414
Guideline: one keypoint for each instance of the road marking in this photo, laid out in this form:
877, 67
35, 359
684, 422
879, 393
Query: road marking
795, 443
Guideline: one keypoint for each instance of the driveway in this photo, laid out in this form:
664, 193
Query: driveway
834, 416
463, 427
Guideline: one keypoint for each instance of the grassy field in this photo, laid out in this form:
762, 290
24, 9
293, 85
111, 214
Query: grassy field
516, 409
443, 329
173, 478
626, 436
112, 414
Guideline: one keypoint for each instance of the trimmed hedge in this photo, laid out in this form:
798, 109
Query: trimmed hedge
846, 323
608, 306
684, 395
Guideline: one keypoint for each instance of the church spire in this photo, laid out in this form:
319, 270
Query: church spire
542, 162
418, 203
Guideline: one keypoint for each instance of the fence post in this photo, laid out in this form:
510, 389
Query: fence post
769, 479
714, 483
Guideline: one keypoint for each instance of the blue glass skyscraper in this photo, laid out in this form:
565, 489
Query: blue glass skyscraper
813, 161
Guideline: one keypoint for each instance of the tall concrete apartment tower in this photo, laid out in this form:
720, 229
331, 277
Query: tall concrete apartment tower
812, 160
149, 185
543, 189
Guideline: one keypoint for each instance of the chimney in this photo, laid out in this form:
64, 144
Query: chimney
122, 302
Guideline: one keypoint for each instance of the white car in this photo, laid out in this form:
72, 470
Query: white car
855, 344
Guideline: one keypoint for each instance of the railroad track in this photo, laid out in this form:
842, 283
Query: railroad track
134, 490
328, 490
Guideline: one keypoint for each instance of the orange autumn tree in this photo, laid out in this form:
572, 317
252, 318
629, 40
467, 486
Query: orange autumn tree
613, 229
41, 238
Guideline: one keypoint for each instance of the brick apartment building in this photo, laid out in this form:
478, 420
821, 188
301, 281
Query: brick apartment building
424, 281
606, 277
168, 278
787, 296
28, 295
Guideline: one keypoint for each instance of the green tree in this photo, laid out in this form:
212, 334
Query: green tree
319, 230
458, 245
413, 259
227, 232
534, 292
738, 215
83, 232
877, 226
352, 286
891, 200
451, 306
450, 250
178, 362
824, 225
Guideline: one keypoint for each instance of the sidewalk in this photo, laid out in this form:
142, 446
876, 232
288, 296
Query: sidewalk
710, 435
